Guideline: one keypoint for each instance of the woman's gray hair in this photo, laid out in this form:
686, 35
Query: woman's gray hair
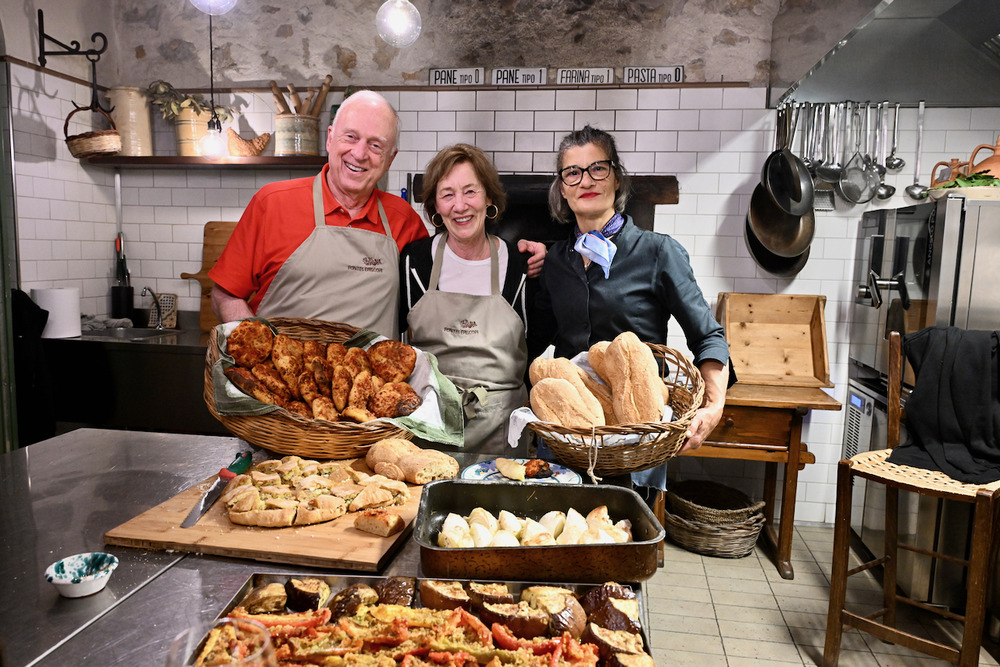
558, 207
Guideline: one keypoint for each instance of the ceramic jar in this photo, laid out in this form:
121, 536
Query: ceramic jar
990, 164
295, 134
130, 111
190, 126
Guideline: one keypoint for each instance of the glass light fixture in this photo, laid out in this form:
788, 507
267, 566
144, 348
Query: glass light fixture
397, 22
212, 146
214, 7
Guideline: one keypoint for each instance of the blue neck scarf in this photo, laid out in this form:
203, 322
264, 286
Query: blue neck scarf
597, 246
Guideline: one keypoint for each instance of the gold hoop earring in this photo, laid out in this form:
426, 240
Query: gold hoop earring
496, 212
437, 220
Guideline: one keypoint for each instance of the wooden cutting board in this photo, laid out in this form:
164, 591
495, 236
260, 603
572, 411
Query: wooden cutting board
334, 544
215, 237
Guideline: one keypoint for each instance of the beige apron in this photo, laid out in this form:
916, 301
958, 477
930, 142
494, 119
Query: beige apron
479, 345
339, 274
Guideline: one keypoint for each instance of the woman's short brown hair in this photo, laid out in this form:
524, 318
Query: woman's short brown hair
446, 160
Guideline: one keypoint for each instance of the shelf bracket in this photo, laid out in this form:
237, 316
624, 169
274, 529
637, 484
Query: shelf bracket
74, 49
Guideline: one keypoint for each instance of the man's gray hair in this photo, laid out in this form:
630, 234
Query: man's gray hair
371, 96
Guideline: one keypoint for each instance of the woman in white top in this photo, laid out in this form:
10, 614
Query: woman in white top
463, 296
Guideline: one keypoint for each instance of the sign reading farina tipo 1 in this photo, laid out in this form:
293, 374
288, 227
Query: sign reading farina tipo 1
576, 76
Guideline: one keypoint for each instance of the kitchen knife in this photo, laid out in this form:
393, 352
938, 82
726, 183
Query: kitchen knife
239, 466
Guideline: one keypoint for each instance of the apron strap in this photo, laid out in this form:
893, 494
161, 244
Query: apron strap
320, 216
439, 257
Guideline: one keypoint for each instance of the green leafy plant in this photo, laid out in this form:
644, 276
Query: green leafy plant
171, 102
977, 180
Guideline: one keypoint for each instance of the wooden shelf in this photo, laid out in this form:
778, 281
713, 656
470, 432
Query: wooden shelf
177, 162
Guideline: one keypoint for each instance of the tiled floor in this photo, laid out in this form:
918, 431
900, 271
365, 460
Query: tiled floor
709, 611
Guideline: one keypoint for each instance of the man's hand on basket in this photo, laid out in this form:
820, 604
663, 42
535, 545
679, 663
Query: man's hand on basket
708, 416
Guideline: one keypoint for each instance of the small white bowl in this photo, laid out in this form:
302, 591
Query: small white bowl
82, 574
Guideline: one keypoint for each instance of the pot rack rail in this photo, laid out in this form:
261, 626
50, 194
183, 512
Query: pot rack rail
74, 49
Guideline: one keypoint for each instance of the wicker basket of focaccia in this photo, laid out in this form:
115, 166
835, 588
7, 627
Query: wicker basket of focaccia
292, 386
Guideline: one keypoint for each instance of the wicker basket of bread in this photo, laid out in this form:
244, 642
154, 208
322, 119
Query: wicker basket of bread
612, 424
285, 430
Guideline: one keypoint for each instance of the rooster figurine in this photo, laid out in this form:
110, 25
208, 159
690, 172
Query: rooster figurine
240, 147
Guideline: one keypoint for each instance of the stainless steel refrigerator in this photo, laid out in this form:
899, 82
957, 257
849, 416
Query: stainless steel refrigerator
932, 264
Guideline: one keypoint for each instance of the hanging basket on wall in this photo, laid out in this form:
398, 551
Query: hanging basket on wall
89, 144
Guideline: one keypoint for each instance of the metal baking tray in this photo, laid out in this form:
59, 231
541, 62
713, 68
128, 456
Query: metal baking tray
592, 563
340, 582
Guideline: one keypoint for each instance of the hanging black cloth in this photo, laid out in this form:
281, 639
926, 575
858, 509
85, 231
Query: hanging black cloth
35, 413
953, 413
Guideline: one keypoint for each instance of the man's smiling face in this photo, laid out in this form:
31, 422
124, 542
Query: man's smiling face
361, 146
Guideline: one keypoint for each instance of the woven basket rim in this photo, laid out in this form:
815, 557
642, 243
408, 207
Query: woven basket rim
663, 440
711, 502
728, 541
289, 434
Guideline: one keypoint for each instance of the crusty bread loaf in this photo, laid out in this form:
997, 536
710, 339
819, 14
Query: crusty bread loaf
379, 522
565, 369
595, 357
602, 392
557, 401
636, 387
400, 459
389, 450
428, 465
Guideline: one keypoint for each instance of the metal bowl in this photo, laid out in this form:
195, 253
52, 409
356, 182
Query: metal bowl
588, 563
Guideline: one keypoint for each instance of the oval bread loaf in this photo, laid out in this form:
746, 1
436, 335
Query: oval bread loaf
557, 401
636, 387
565, 369
595, 356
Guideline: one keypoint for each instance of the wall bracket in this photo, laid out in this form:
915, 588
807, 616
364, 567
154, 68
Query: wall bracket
74, 49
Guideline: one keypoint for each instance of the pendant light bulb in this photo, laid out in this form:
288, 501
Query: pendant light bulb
214, 7
398, 23
213, 146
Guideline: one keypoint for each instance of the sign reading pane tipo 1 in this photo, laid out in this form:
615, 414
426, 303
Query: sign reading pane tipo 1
585, 76
520, 76
458, 76
673, 74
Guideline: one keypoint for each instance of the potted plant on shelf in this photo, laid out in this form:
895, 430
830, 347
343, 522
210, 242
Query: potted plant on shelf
188, 111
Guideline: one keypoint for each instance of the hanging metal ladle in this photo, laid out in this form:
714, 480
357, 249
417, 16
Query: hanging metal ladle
894, 162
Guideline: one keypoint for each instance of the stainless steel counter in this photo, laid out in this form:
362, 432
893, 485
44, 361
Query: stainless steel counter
59, 498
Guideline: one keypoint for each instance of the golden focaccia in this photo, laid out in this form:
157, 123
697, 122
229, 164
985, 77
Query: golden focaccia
293, 491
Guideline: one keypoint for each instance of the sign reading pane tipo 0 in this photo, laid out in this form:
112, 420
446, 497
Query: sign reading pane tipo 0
585, 76
520, 76
458, 76
673, 74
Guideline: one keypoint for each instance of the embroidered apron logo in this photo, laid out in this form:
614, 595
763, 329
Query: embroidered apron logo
369, 265
465, 328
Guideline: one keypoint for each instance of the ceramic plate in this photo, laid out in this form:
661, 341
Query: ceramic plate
487, 470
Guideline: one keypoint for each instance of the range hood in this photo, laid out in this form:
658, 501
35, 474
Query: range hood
946, 52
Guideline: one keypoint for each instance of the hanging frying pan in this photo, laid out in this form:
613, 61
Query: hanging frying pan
780, 233
784, 267
784, 176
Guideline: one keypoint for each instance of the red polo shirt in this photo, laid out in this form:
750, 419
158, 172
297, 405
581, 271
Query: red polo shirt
280, 217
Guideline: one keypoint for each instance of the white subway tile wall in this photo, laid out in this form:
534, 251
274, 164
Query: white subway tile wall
713, 139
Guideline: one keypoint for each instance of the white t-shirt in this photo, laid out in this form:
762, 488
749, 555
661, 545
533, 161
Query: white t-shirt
468, 276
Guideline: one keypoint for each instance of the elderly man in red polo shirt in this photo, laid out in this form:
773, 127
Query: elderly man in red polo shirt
328, 247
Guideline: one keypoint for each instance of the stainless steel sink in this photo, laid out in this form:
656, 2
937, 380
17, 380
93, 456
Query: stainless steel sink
133, 333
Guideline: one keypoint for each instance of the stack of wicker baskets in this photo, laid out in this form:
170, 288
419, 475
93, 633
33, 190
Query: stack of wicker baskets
713, 519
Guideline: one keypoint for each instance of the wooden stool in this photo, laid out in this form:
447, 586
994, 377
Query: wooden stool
874, 467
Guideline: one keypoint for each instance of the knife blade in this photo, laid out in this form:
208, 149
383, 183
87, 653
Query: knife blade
239, 466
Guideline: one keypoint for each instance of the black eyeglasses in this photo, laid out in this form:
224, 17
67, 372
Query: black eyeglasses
598, 171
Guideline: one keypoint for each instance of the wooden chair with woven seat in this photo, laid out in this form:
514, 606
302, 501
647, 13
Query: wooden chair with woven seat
874, 467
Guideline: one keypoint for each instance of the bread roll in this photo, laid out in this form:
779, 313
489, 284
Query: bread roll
402, 460
565, 369
557, 401
602, 393
595, 357
389, 450
636, 387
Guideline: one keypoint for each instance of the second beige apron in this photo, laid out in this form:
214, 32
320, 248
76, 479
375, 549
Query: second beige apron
479, 345
339, 274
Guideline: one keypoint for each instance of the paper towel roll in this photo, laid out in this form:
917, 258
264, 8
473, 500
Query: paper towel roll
63, 304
